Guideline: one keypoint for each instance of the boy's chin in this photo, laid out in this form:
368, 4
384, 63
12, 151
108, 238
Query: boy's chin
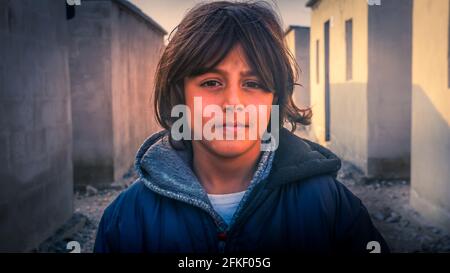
230, 148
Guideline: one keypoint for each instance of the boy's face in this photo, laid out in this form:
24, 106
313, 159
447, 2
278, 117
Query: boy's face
230, 85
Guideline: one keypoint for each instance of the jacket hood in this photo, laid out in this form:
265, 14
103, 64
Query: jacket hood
168, 171
297, 159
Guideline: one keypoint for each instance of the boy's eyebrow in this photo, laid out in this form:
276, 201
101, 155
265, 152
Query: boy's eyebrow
248, 73
245, 73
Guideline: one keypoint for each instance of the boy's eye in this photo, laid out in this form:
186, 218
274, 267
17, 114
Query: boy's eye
252, 84
211, 83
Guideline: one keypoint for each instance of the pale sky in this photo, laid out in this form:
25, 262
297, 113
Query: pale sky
168, 13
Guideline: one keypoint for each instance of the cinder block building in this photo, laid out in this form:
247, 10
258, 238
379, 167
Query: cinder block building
75, 103
114, 50
297, 38
430, 139
361, 82
36, 186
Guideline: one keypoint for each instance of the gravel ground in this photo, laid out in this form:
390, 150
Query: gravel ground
82, 227
387, 202
89, 204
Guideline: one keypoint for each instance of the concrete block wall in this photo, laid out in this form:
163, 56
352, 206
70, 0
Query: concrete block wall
298, 42
91, 81
430, 139
36, 184
348, 98
75, 102
114, 52
135, 55
389, 89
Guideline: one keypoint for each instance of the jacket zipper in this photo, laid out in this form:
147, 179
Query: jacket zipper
253, 200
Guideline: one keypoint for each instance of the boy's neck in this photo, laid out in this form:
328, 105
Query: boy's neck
221, 175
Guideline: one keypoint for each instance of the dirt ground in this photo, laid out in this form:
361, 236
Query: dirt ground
387, 202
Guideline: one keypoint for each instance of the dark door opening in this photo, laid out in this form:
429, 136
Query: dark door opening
327, 79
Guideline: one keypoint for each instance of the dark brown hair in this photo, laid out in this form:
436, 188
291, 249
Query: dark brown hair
203, 39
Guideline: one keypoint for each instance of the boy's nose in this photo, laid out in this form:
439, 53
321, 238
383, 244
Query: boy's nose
232, 95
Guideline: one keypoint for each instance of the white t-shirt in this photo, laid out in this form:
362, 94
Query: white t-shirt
226, 204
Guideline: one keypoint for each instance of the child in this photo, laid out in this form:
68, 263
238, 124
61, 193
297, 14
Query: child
201, 194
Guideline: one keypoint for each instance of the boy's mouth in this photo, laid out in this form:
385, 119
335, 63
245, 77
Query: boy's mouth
233, 125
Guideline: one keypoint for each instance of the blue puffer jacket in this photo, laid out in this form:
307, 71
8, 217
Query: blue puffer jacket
293, 204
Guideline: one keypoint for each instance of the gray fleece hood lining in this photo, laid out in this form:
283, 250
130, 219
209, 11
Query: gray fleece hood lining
168, 172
